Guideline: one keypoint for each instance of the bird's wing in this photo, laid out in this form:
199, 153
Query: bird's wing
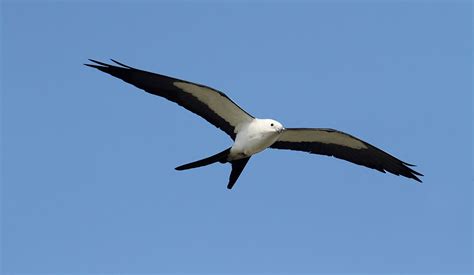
331, 142
212, 105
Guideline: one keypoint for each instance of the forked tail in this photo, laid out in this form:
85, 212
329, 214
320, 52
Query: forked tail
219, 157
237, 168
237, 165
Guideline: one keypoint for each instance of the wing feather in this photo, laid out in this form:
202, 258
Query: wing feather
212, 105
331, 142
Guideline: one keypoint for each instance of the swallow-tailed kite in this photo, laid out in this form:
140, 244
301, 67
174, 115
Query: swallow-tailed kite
252, 135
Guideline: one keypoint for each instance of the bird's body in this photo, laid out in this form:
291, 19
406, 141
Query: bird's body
252, 135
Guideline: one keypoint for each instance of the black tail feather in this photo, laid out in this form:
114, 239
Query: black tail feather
221, 157
237, 168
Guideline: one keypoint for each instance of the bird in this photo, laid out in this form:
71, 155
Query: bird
252, 135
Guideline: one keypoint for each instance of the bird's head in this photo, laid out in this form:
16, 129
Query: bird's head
272, 125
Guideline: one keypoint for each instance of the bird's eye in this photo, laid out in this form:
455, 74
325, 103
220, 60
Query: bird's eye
271, 124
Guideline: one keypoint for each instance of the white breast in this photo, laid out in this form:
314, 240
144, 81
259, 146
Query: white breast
252, 138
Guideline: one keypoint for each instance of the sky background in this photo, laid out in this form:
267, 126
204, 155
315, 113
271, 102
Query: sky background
88, 182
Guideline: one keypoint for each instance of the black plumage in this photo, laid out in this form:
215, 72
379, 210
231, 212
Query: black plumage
219, 110
164, 86
370, 156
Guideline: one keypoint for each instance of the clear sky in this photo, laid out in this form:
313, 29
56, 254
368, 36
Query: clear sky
88, 182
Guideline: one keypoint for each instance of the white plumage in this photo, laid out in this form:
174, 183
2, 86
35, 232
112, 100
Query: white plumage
252, 135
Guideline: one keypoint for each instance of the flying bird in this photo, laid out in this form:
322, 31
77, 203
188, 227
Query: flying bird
252, 135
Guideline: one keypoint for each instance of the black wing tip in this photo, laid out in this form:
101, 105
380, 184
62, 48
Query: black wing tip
412, 174
416, 173
120, 64
408, 164
92, 66
99, 64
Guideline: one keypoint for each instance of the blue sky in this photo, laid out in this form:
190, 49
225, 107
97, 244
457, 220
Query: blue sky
88, 181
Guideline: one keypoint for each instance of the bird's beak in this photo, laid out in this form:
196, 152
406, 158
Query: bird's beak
281, 130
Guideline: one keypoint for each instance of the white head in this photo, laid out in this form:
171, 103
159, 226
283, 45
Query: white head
271, 125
